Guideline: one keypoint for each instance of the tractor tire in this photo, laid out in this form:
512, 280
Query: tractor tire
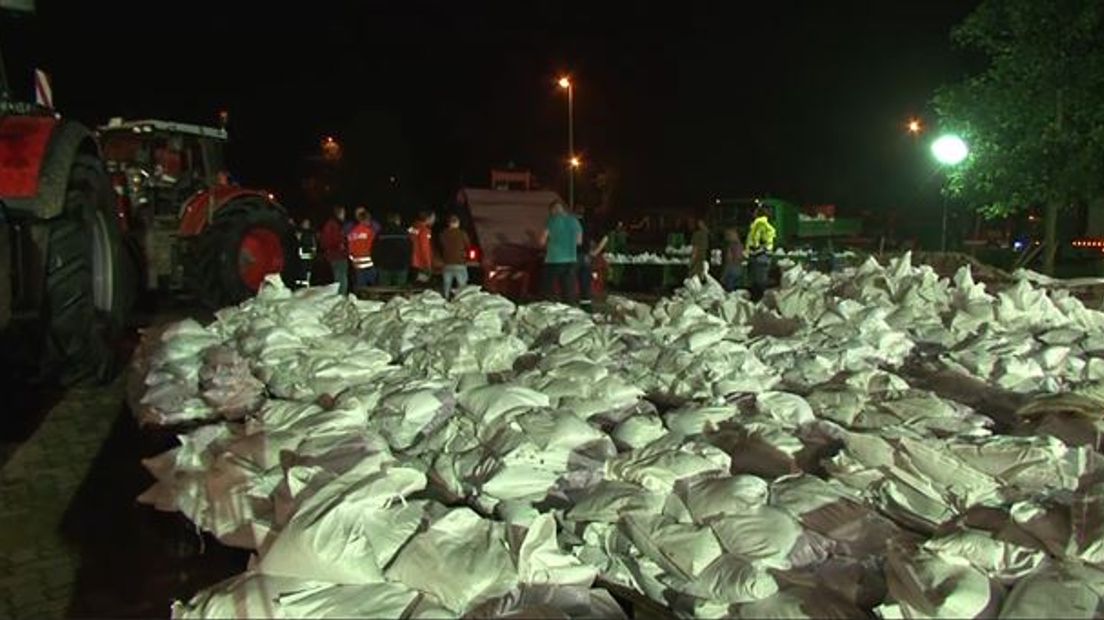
248, 239
89, 287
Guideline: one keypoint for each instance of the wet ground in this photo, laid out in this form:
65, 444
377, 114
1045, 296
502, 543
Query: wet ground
73, 540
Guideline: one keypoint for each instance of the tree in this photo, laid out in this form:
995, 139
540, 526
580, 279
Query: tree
1033, 118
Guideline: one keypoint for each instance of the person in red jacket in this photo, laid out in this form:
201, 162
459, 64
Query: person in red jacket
421, 237
332, 240
360, 240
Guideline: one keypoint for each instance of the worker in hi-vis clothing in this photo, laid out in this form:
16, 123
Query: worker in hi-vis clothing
760, 243
359, 242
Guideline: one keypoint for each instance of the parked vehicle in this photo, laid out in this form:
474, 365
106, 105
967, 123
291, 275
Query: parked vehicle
195, 228
66, 279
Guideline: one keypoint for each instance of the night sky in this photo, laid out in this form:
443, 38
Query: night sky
685, 100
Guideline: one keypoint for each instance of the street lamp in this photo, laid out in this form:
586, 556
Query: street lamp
949, 150
565, 83
914, 126
575, 162
331, 149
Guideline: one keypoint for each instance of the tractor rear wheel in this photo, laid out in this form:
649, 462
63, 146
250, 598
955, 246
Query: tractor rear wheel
89, 288
248, 240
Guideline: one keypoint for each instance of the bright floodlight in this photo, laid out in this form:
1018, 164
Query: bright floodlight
564, 82
949, 150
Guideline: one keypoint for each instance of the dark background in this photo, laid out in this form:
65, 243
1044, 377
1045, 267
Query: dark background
685, 100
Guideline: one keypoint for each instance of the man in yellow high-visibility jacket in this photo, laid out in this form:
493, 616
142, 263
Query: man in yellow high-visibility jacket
760, 242
761, 234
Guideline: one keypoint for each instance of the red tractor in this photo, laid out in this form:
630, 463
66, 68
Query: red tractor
195, 229
66, 282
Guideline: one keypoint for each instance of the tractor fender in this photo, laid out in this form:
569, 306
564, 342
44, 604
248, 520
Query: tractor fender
36, 156
203, 206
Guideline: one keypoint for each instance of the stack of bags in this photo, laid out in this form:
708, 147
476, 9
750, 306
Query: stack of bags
722, 458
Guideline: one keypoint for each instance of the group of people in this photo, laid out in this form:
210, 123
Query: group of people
760, 242
571, 246
362, 252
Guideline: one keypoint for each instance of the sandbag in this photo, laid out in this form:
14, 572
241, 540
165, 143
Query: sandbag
461, 559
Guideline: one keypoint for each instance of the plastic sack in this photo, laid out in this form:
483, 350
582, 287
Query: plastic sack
461, 559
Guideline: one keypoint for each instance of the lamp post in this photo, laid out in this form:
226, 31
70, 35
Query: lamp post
914, 127
949, 150
331, 149
565, 83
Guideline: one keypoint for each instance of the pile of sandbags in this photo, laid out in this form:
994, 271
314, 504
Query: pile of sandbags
720, 457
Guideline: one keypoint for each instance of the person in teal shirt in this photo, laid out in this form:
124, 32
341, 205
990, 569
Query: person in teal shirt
561, 237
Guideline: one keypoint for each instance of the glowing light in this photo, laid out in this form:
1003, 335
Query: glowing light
914, 126
575, 162
949, 150
564, 82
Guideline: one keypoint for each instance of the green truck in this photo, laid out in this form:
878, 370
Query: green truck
794, 229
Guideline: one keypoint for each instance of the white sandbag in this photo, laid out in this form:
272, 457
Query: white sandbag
567, 602
698, 420
681, 549
785, 408
351, 528
997, 559
638, 431
839, 405
926, 586
763, 535
1058, 590
732, 579
801, 494
1034, 464
559, 435
712, 498
541, 562
252, 595
461, 559
412, 409
228, 384
488, 402
606, 501
658, 466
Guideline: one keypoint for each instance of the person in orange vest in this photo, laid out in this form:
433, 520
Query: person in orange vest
421, 237
360, 240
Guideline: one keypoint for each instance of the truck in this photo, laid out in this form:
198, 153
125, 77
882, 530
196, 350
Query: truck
195, 230
796, 228
505, 227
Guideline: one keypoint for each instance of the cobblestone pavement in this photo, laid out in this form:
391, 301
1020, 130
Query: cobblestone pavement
73, 540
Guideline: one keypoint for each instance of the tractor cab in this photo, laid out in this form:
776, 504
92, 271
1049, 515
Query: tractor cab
156, 166
195, 229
